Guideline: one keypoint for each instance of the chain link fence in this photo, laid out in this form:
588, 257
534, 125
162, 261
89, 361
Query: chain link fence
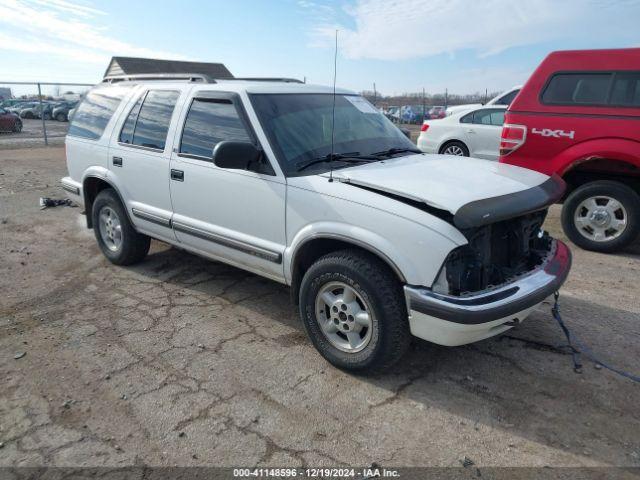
37, 114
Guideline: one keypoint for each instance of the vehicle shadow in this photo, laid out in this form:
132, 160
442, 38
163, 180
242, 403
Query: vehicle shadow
521, 383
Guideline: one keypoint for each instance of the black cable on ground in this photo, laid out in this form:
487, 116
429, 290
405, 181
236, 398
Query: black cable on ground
573, 342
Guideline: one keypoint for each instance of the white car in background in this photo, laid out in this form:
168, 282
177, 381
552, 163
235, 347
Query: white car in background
505, 98
469, 134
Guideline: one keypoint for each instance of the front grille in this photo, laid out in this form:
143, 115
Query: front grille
497, 253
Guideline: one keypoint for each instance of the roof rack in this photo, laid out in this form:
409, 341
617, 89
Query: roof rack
190, 77
267, 79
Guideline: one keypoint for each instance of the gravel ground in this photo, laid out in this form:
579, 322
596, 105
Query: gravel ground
184, 361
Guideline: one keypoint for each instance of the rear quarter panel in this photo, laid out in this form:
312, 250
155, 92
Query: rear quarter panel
555, 143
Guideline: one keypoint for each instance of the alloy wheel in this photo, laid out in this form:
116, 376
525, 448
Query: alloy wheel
110, 228
600, 218
345, 318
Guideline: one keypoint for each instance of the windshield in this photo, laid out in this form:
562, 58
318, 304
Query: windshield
299, 129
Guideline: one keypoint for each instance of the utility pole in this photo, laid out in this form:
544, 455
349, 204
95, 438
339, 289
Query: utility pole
375, 96
446, 98
424, 106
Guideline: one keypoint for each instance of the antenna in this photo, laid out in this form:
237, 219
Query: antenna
333, 110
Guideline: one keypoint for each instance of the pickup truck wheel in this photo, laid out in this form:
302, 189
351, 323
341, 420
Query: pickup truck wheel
455, 148
116, 237
602, 216
353, 310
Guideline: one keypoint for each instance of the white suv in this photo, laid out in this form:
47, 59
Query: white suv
320, 192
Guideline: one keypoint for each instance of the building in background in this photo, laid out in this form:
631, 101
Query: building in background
138, 66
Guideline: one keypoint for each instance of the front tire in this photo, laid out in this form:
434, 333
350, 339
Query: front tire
61, 117
456, 148
17, 126
603, 216
353, 310
116, 237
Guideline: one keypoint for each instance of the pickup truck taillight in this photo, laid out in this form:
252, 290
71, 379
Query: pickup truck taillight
513, 137
425, 127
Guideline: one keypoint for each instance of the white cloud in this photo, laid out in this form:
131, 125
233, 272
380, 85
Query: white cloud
402, 29
66, 29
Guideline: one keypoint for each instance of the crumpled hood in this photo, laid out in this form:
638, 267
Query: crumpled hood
458, 185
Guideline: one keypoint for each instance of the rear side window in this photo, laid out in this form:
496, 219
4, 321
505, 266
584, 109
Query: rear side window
208, 122
487, 116
148, 122
578, 89
94, 112
626, 89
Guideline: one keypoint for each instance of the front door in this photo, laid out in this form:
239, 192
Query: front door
237, 216
139, 155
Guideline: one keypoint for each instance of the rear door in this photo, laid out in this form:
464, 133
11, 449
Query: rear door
237, 216
139, 156
484, 133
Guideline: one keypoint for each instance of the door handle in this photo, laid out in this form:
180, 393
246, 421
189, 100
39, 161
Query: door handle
177, 175
117, 161
471, 131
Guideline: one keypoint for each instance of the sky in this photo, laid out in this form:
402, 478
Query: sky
465, 46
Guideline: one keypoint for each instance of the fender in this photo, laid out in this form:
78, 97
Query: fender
361, 237
601, 148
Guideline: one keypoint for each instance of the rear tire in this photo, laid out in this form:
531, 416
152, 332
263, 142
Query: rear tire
116, 237
17, 126
61, 117
456, 148
365, 301
602, 216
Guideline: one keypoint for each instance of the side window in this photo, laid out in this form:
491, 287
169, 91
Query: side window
94, 112
126, 134
468, 118
208, 122
152, 122
626, 90
482, 117
578, 88
497, 118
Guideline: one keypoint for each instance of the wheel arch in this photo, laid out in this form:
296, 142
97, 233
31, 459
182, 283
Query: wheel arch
448, 141
92, 185
595, 168
315, 246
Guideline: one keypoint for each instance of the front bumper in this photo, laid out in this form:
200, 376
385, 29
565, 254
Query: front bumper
451, 320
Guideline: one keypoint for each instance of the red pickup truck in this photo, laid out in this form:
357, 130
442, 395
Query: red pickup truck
579, 116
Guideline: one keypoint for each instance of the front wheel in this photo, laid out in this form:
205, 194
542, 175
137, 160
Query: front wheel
116, 237
61, 117
603, 216
17, 126
353, 310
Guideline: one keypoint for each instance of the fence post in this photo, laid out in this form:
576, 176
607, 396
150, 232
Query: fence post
44, 126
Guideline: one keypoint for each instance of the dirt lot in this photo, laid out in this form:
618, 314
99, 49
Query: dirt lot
183, 361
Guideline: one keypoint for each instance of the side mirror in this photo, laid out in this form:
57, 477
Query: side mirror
406, 132
236, 155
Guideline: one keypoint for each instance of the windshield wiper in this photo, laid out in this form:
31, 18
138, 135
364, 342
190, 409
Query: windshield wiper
350, 157
393, 151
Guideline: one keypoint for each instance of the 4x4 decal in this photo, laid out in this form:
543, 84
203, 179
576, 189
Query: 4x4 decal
547, 132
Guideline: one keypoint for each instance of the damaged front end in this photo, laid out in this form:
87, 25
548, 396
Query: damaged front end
496, 254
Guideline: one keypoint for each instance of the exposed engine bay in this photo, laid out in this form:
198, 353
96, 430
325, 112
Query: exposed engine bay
495, 254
